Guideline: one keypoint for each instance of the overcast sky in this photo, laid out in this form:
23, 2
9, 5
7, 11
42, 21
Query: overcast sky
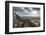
25, 11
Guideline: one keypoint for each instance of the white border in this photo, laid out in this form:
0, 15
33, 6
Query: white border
11, 29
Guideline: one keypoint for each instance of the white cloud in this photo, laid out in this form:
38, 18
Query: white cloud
27, 13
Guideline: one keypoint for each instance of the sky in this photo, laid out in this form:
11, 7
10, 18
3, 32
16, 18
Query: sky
27, 12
